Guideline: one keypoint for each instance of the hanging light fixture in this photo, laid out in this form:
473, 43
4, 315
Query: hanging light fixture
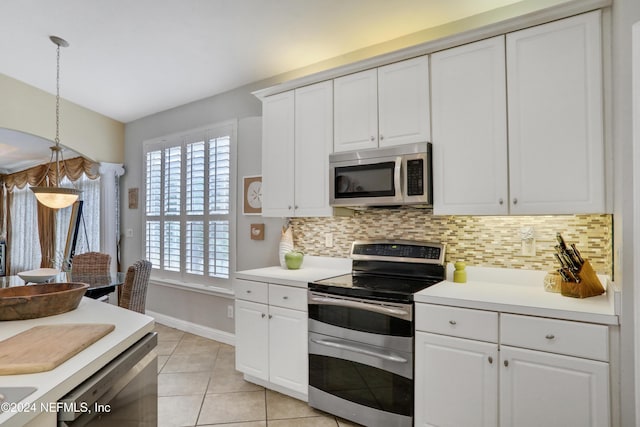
52, 195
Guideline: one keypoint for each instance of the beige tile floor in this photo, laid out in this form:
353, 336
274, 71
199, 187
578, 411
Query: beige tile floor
199, 386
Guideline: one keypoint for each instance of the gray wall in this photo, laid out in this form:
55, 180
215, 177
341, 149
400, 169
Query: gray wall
202, 309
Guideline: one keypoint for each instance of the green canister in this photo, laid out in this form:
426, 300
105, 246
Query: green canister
460, 274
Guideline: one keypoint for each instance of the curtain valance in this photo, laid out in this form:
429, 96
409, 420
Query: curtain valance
71, 168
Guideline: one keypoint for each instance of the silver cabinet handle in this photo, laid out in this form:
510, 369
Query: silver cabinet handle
263, 315
550, 336
515, 201
285, 297
452, 322
506, 363
351, 347
271, 316
490, 360
501, 201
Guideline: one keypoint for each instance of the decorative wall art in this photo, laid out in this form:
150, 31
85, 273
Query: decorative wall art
252, 199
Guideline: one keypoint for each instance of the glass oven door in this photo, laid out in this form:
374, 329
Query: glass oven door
361, 359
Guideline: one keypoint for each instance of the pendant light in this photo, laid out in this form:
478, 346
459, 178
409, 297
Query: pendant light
52, 195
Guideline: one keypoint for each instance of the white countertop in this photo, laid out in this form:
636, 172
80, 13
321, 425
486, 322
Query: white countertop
52, 385
313, 268
522, 292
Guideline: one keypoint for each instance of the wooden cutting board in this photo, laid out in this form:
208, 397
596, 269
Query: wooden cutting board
42, 348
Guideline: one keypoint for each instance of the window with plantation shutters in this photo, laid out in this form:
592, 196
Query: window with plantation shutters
188, 206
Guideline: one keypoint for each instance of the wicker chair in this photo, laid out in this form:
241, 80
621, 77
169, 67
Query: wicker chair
133, 293
91, 263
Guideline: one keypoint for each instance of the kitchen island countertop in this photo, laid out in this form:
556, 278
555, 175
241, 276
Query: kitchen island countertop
130, 326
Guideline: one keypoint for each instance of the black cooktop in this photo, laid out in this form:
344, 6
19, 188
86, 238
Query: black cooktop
388, 271
383, 288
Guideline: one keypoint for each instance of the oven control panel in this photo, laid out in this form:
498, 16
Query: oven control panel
398, 250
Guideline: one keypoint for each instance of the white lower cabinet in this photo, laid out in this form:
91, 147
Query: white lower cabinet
456, 381
271, 336
534, 372
546, 389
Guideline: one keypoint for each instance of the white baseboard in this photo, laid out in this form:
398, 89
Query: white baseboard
194, 328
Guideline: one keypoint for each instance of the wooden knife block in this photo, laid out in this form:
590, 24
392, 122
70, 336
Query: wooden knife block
589, 285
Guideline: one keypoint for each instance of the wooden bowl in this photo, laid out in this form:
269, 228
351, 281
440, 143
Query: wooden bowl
33, 301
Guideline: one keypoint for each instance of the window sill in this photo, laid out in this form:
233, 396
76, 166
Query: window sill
194, 287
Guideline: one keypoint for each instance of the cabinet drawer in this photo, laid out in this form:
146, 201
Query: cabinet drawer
555, 336
288, 297
251, 291
457, 322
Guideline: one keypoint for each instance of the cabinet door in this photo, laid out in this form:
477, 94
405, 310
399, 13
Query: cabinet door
546, 389
456, 382
356, 111
252, 339
556, 151
470, 129
313, 144
403, 102
288, 349
278, 155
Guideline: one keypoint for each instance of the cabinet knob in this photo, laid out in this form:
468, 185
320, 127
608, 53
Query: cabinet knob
263, 315
295, 207
248, 291
381, 137
501, 201
373, 138
550, 336
270, 316
452, 322
506, 363
285, 297
515, 201
289, 207
490, 360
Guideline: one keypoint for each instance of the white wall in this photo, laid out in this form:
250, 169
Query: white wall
623, 14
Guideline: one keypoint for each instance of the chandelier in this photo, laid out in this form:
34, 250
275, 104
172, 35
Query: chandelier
52, 195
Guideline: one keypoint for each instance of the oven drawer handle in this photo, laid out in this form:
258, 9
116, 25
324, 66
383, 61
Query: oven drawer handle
362, 305
356, 349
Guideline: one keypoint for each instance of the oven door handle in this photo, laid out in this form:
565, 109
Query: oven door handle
350, 347
395, 312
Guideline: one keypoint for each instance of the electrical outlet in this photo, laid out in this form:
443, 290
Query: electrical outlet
230, 311
328, 240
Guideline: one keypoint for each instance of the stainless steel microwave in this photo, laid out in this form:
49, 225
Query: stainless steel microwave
390, 176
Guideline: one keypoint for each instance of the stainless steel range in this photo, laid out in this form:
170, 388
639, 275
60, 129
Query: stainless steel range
361, 332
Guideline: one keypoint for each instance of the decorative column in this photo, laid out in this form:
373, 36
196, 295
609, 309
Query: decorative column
110, 174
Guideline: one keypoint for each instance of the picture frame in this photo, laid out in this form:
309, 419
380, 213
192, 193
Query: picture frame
252, 195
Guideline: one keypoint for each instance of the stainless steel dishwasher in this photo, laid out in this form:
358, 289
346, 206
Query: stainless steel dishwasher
123, 393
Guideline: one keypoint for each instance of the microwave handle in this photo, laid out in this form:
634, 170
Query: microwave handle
397, 176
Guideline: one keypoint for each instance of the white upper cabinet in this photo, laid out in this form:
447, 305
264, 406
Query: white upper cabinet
278, 130
470, 129
403, 102
356, 111
537, 148
556, 149
382, 107
314, 143
297, 141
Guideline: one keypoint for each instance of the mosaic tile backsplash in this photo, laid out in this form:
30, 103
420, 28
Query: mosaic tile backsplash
487, 241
